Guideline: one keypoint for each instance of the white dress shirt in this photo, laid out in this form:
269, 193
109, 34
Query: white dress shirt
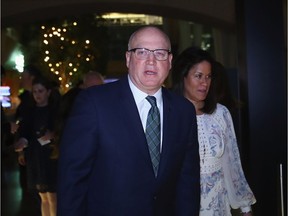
144, 106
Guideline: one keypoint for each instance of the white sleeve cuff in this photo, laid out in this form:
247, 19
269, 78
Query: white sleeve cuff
245, 209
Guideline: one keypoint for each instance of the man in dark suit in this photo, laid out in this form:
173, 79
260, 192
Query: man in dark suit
105, 167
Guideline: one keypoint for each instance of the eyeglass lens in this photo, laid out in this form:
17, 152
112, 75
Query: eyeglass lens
143, 53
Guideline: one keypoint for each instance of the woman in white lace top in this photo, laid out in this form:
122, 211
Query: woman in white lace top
223, 184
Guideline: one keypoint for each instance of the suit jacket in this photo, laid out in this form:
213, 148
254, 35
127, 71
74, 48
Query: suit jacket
105, 166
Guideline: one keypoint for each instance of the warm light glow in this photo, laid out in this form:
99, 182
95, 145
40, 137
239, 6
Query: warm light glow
122, 15
123, 19
81, 54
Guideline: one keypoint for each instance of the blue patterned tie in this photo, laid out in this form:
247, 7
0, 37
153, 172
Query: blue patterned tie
153, 133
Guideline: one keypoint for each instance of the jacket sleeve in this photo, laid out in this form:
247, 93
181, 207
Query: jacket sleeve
77, 154
188, 199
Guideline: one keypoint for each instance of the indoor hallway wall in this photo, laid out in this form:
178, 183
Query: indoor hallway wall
263, 74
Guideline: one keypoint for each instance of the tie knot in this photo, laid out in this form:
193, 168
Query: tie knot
152, 101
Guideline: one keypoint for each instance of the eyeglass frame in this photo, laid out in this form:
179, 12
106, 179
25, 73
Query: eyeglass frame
153, 51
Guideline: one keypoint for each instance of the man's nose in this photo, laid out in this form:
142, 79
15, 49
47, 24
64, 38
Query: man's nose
151, 57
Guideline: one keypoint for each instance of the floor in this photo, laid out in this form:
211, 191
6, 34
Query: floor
14, 202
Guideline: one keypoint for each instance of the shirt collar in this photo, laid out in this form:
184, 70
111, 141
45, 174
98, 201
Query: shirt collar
139, 95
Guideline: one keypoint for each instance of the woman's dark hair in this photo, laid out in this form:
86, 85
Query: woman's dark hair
48, 84
43, 81
222, 88
181, 67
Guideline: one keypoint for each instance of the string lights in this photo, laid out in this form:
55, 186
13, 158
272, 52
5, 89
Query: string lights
61, 54
71, 48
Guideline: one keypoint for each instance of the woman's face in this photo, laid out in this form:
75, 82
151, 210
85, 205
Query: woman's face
40, 94
197, 82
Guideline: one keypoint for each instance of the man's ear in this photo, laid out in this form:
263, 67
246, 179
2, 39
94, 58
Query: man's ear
128, 55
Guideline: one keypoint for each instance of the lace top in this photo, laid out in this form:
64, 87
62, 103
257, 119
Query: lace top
223, 184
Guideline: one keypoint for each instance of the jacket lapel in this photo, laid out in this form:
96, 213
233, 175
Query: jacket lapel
131, 118
167, 123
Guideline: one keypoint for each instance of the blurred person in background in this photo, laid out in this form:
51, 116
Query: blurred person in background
34, 145
30, 73
26, 100
92, 78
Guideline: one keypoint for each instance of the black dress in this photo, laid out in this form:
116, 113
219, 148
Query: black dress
41, 169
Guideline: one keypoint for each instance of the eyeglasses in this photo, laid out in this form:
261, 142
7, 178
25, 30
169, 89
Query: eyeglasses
143, 53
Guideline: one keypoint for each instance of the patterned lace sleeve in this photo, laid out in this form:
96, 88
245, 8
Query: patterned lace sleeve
239, 192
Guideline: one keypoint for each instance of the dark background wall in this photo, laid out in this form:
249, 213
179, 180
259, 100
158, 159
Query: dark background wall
263, 77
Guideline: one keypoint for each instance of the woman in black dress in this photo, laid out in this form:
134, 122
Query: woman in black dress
36, 142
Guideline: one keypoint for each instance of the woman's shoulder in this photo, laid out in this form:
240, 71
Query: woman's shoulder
221, 109
221, 114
